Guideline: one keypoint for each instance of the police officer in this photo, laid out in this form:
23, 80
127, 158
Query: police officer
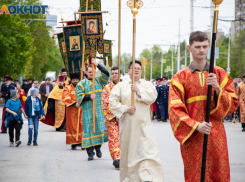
163, 100
6, 95
157, 102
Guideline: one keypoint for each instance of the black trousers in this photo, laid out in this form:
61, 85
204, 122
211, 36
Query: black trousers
17, 126
90, 150
243, 125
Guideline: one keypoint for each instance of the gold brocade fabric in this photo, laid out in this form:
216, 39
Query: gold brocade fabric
240, 91
56, 94
140, 158
187, 103
74, 126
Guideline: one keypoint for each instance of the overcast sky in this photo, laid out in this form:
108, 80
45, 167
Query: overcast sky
157, 21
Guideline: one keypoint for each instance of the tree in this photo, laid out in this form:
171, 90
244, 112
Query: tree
43, 46
237, 54
15, 45
27, 50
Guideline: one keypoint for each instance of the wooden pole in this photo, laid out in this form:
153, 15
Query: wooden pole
93, 71
134, 5
78, 121
87, 6
119, 40
211, 70
83, 57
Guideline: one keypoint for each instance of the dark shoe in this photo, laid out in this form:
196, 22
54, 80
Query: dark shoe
158, 120
82, 148
243, 129
116, 163
98, 153
90, 157
18, 143
29, 142
4, 131
35, 144
73, 147
57, 129
164, 120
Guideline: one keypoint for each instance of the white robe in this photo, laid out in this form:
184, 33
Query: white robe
140, 159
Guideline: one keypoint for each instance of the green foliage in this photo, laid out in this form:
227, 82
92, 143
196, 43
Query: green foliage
44, 47
237, 52
238, 55
15, 45
27, 50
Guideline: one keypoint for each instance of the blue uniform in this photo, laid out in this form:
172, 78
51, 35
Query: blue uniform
157, 102
163, 101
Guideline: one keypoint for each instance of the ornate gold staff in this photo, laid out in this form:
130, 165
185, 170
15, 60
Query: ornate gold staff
134, 6
211, 70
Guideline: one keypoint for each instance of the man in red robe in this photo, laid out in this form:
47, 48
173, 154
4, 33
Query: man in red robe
110, 119
187, 98
74, 125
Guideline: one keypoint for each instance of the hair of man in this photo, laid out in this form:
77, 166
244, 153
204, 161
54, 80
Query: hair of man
136, 62
197, 36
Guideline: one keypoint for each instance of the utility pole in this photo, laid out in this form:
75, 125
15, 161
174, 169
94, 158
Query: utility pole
161, 67
191, 21
172, 61
151, 63
229, 49
178, 61
185, 55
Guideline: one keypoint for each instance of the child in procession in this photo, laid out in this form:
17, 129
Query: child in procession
14, 118
34, 110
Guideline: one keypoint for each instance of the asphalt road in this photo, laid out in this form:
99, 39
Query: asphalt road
53, 161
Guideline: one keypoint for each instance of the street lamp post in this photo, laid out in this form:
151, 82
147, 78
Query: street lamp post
229, 51
151, 63
161, 67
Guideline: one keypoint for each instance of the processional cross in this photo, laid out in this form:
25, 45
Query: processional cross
134, 5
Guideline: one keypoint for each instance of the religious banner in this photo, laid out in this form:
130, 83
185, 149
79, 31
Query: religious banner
107, 55
74, 48
108, 52
95, 3
92, 29
62, 46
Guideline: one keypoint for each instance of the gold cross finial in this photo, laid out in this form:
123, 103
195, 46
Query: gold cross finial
134, 5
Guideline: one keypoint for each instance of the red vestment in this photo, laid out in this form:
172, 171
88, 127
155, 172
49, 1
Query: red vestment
187, 98
74, 125
111, 123
22, 97
240, 91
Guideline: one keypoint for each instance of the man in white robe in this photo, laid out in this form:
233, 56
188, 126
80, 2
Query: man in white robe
140, 159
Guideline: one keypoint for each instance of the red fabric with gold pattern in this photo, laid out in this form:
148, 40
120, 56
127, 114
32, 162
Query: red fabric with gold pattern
240, 91
111, 123
187, 98
22, 97
72, 117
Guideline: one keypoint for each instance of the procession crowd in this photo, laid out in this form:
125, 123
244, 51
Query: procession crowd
95, 111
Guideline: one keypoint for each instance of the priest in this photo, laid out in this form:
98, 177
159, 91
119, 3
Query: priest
54, 107
92, 141
110, 119
140, 159
74, 127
